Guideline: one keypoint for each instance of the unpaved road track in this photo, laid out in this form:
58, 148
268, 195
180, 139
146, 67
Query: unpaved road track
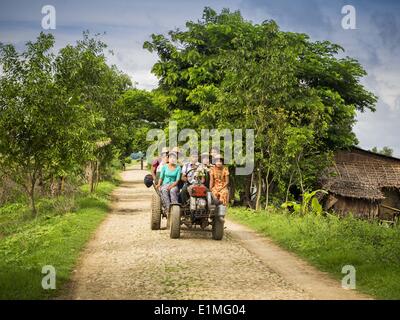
126, 260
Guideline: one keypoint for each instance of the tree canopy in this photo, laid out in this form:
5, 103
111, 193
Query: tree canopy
61, 111
386, 151
297, 94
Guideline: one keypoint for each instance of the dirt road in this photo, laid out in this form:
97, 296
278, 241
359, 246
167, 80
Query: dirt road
126, 260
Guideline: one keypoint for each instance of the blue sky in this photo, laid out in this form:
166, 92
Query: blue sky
375, 42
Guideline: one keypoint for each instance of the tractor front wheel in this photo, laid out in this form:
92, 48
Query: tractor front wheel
175, 221
217, 229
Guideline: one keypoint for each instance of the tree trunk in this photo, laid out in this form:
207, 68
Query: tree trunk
91, 176
32, 194
60, 185
259, 190
288, 188
33, 205
97, 173
267, 184
41, 183
52, 187
247, 191
300, 174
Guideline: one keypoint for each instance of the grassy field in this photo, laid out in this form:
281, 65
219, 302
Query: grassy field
329, 243
54, 238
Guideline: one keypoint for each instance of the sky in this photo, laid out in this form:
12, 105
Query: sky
375, 41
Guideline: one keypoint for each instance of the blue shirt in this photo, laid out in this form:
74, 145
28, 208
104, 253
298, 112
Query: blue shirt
169, 176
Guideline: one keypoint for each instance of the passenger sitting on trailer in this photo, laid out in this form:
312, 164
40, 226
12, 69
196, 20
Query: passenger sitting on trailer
168, 183
158, 163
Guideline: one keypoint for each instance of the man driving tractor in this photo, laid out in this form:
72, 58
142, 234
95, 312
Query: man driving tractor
188, 172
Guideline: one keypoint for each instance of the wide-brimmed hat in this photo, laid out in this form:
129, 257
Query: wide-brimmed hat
219, 157
164, 150
215, 149
177, 152
194, 153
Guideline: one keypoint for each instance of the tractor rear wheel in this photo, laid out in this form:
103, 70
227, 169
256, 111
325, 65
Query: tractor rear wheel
156, 212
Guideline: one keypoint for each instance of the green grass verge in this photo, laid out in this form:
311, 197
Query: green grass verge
51, 239
329, 243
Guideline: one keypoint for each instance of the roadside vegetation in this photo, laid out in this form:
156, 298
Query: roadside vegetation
68, 122
329, 243
55, 237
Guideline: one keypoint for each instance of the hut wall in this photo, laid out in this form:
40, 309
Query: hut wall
392, 199
362, 182
360, 208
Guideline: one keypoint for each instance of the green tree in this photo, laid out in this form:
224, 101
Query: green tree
386, 151
97, 87
29, 115
231, 73
57, 111
141, 111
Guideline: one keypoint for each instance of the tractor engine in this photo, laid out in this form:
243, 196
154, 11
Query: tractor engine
197, 204
198, 197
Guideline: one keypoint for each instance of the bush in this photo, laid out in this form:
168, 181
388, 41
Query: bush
51, 238
9, 190
128, 160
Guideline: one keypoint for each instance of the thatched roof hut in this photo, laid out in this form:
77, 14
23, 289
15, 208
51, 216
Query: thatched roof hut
364, 183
